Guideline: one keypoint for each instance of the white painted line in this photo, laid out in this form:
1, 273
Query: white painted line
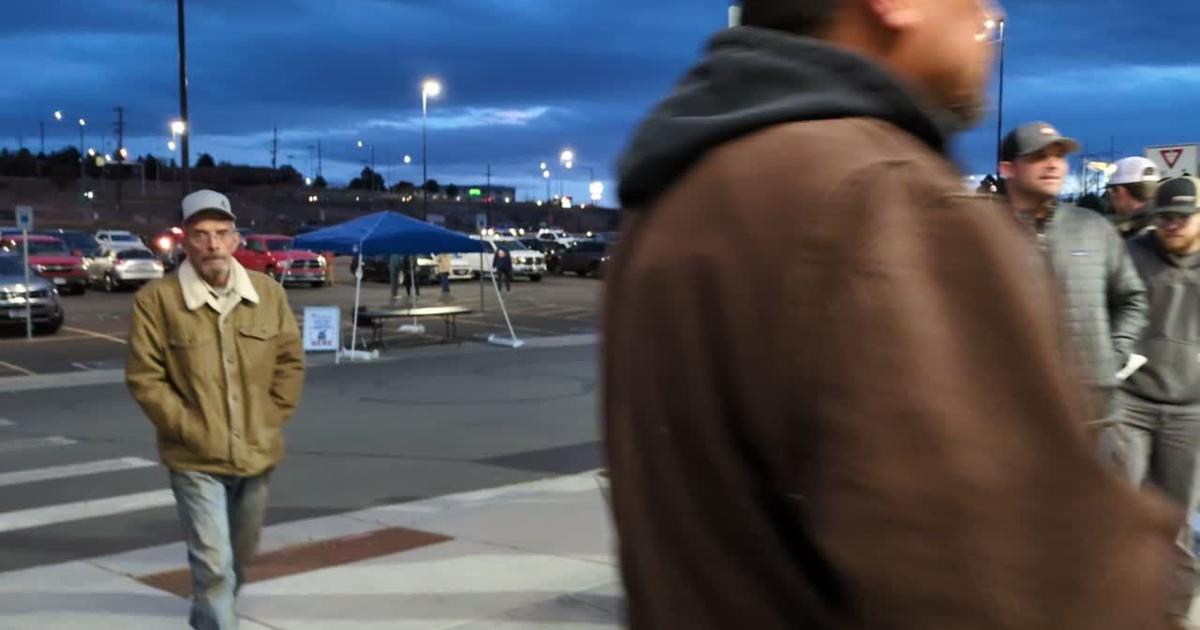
92, 333
17, 368
78, 511
74, 470
20, 445
5, 422
81, 366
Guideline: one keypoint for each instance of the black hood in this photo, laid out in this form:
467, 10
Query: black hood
754, 78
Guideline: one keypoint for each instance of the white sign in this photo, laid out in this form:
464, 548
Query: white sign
25, 218
322, 328
1176, 160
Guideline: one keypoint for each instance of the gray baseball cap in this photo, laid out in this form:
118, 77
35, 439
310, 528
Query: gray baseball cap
1033, 137
1179, 195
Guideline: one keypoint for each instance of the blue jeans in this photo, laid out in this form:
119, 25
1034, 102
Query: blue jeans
222, 518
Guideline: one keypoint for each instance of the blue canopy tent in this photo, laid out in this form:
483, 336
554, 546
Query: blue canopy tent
385, 233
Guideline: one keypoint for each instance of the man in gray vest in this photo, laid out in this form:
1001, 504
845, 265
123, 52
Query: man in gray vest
1160, 422
1103, 297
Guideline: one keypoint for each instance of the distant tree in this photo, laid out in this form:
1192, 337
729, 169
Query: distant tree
152, 166
452, 191
205, 161
368, 180
1092, 201
403, 187
431, 187
62, 167
225, 164
320, 182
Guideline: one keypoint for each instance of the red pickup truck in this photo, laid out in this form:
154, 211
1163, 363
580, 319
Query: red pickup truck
52, 260
273, 255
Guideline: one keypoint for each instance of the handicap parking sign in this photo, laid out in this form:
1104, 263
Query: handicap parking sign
25, 218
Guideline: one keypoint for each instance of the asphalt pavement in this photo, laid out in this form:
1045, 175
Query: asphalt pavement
79, 476
97, 324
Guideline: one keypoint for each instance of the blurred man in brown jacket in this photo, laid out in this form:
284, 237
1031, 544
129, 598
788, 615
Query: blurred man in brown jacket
216, 363
833, 386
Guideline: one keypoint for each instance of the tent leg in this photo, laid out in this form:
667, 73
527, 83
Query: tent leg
511, 341
358, 273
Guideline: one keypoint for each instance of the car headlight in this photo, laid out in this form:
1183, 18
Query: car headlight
321, 261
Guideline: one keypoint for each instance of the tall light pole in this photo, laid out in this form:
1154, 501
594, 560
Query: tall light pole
1000, 24
431, 88
82, 124
372, 147
567, 160
183, 101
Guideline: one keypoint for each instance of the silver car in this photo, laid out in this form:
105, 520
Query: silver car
114, 269
43, 300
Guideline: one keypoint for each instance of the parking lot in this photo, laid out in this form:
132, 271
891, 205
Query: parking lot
97, 324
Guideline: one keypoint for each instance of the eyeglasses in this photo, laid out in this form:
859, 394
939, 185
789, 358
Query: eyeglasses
991, 30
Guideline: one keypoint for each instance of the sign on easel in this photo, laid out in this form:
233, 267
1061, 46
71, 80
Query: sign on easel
322, 328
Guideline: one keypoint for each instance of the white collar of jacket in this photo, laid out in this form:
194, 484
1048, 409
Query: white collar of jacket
195, 293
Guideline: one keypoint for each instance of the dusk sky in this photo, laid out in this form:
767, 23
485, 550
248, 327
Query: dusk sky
523, 78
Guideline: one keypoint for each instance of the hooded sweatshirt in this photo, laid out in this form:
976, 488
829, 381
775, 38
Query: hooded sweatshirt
834, 391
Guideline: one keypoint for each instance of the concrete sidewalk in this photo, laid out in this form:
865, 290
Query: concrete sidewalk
533, 555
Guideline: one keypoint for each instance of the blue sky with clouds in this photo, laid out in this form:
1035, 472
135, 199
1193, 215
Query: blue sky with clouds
524, 78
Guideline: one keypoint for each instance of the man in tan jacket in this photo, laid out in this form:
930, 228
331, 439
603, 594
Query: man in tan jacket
834, 390
217, 365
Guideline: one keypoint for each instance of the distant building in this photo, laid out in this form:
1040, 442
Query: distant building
485, 194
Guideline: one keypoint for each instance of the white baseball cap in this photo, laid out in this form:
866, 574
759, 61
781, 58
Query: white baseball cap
206, 200
1132, 170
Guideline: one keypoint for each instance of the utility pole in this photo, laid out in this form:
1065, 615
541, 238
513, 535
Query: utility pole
183, 103
42, 131
274, 147
319, 158
120, 131
489, 180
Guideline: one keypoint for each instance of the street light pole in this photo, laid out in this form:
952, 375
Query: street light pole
183, 102
82, 124
430, 88
1000, 104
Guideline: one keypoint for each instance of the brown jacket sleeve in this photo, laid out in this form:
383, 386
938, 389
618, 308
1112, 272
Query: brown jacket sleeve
850, 411
288, 382
146, 366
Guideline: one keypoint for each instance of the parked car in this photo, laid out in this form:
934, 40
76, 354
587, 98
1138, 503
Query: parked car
273, 255
551, 251
115, 269
51, 259
585, 258
555, 235
376, 268
526, 262
119, 239
79, 242
168, 246
43, 304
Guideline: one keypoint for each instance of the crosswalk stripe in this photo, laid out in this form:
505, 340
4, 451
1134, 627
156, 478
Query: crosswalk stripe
20, 445
74, 470
67, 512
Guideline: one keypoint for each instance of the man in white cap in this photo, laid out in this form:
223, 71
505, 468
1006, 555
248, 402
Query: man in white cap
1131, 190
217, 365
